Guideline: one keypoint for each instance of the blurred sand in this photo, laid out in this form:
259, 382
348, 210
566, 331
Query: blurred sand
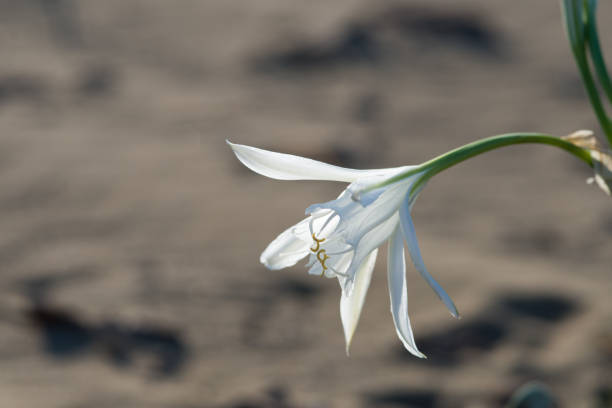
131, 236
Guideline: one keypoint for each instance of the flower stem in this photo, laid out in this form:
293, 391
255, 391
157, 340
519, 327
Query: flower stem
436, 165
581, 30
596, 54
456, 156
460, 154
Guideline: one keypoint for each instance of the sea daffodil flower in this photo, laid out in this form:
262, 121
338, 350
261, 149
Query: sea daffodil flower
341, 237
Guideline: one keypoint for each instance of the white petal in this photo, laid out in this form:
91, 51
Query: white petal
287, 249
376, 213
370, 241
360, 189
356, 220
603, 184
398, 292
283, 166
417, 259
351, 305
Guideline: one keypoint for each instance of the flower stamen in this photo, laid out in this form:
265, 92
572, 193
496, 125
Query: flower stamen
321, 255
317, 242
324, 258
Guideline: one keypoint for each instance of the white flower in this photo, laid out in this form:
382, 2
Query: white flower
341, 237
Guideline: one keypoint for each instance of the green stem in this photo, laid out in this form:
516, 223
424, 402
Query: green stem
460, 154
573, 25
591, 89
596, 54
456, 156
574, 12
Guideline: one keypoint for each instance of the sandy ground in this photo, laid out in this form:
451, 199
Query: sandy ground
130, 236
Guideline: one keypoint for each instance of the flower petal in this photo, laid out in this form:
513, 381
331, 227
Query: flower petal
602, 164
283, 166
370, 241
288, 248
356, 219
413, 247
351, 304
398, 292
376, 213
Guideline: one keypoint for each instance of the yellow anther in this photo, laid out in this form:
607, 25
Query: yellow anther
325, 258
322, 257
317, 243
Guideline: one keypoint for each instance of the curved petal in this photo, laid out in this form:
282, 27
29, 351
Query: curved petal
351, 304
288, 248
356, 220
398, 292
370, 241
376, 213
283, 166
415, 253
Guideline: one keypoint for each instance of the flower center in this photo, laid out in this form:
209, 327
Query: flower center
329, 253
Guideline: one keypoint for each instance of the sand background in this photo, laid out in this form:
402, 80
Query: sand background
130, 236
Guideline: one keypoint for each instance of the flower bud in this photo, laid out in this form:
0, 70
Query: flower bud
602, 159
